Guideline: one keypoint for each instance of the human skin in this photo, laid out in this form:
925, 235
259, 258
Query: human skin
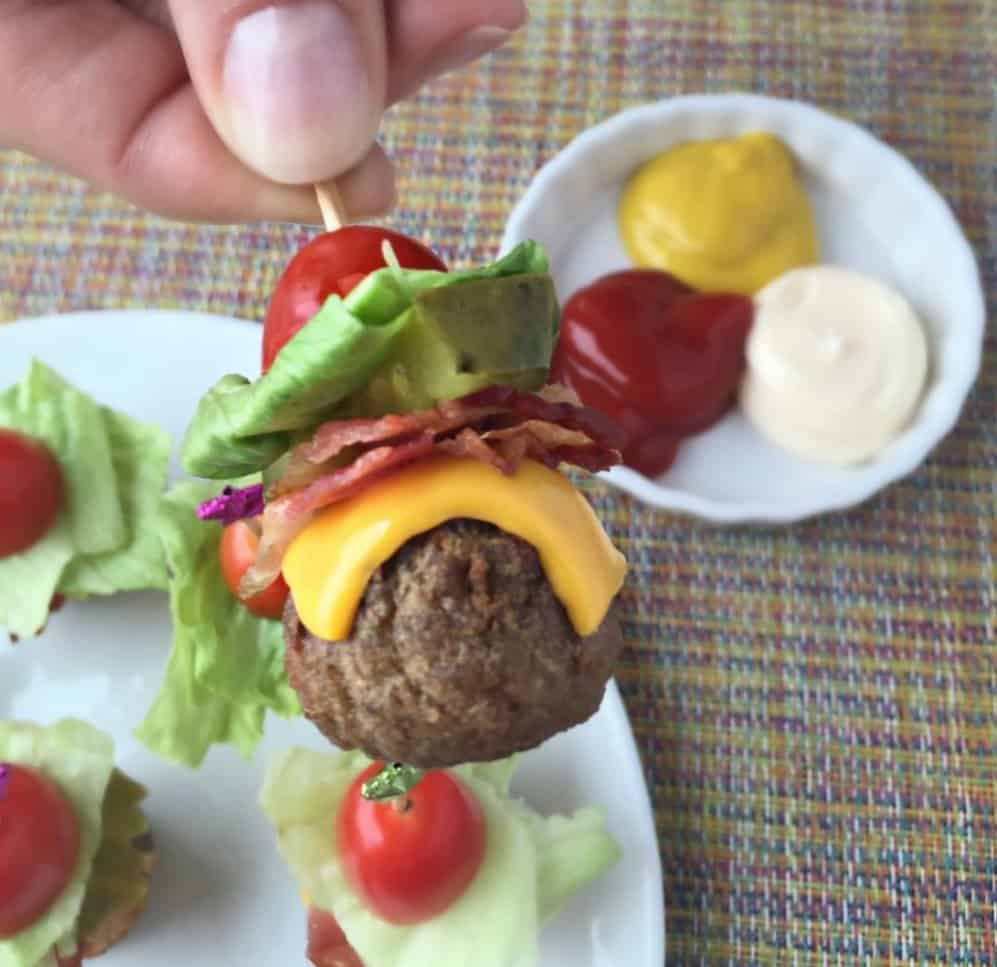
228, 110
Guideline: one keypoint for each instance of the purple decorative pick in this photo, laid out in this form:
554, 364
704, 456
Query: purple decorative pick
232, 505
4, 778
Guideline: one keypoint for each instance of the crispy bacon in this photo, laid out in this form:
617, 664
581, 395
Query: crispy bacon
285, 518
332, 438
499, 426
469, 443
327, 944
533, 406
548, 443
500, 410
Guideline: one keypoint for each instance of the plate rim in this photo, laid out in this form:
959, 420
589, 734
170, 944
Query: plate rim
921, 440
612, 706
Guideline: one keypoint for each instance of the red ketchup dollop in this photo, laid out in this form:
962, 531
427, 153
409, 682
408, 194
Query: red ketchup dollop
662, 360
39, 846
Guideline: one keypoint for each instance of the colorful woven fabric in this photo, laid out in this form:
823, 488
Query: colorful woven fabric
816, 706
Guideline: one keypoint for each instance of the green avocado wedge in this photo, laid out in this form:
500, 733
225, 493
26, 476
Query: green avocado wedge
387, 325
462, 338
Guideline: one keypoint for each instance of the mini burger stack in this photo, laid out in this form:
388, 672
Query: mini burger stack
453, 597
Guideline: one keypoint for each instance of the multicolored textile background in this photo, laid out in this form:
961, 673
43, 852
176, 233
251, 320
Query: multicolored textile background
816, 706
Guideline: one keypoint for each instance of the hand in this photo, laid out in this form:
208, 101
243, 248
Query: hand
228, 110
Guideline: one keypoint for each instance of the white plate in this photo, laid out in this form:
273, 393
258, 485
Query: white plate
874, 213
222, 895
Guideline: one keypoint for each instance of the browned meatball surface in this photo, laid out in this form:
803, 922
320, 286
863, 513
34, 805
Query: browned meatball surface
460, 652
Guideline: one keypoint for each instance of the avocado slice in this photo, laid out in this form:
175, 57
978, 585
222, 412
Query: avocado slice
462, 338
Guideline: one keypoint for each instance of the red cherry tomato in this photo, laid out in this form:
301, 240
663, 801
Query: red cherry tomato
327, 944
411, 863
30, 492
39, 846
237, 551
333, 263
662, 360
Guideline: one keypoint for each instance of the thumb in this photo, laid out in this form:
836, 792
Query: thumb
295, 88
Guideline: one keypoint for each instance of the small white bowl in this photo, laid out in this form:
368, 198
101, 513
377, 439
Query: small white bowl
875, 213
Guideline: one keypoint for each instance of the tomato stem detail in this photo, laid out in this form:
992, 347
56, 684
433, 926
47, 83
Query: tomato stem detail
393, 781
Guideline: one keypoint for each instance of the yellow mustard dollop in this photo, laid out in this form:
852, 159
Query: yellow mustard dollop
328, 565
725, 216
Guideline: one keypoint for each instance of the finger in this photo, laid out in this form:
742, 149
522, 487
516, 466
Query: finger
427, 38
146, 139
296, 88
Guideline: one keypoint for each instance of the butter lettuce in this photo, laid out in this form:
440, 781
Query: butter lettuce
114, 470
226, 669
531, 865
240, 427
140, 454
80, 760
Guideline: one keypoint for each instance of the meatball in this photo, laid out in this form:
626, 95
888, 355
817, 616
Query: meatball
460, 652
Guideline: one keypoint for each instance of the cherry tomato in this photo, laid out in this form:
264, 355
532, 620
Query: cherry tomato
410, 863
237, 551
30, 492
335, 262
662, 360
39, 846
327, 944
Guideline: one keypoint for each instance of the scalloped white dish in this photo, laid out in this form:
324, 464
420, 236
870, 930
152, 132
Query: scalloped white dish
222, 895
874, 212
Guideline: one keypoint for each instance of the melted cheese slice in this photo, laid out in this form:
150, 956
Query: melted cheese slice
328, 565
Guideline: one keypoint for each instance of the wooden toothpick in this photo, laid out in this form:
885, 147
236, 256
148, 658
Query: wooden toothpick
331, 204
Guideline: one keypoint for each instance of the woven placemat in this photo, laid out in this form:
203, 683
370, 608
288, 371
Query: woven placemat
816, 706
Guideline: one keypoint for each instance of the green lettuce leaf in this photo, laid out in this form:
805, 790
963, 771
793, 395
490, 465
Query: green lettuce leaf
531, 865
113, 472
44, 406
29, 580
240, 427
226, 669
80, 760
140, 453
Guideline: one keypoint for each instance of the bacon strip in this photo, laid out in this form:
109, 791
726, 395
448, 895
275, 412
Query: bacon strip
554, 404
285, 518
332, 438
499, 426
496, 409
532, 406
327, 944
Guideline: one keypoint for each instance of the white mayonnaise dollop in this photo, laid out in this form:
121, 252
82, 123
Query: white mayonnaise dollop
836, 364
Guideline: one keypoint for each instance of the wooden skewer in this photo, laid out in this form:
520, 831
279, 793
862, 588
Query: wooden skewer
331, 204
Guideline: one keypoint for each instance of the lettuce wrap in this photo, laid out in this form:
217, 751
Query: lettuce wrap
114, 470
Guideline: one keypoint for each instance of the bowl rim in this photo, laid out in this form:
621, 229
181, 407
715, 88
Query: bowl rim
920, 438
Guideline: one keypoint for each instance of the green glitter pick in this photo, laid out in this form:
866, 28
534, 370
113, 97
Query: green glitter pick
392, 782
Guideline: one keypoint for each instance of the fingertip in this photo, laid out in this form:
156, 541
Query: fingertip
301, 99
